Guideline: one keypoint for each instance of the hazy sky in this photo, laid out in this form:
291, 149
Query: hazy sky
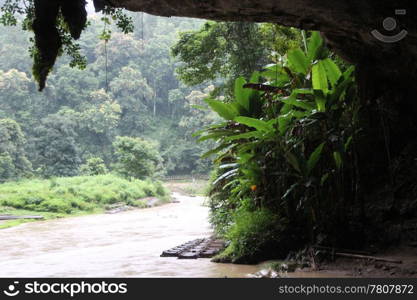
90, 7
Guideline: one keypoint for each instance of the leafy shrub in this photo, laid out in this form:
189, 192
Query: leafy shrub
137, 158
54, 205
93, 166
254, 235
160, 189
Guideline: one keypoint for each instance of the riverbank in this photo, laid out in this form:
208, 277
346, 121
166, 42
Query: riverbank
401, 262
75, 196
395, 262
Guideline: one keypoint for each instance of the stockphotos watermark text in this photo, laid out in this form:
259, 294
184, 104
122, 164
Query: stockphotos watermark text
71, 289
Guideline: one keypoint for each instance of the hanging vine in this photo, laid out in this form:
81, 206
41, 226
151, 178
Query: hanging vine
57, 24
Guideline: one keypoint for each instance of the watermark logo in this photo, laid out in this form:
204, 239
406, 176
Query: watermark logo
65, 288
390, 24
12, 290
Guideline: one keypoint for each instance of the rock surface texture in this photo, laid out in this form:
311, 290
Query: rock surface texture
346, 24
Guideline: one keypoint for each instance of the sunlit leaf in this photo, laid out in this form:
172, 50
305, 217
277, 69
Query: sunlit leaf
298, 61
224, 110
333, 71
314, 44
319, 77
254, 123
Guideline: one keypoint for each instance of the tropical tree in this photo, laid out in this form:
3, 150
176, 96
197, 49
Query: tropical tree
228, 50
137, 158
135, 97
57, 153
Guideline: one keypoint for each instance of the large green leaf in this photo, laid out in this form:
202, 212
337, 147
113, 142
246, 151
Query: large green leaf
319, 77
298, 61
225, 110
292, 100
276, 74
342, 85
255, 123
243, 136
314, 45
242, 94
333, 71
314, 158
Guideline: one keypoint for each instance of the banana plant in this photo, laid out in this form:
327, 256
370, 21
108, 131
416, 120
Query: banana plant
289, 111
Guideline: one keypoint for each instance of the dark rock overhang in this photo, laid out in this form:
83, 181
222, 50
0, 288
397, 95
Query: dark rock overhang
352, 28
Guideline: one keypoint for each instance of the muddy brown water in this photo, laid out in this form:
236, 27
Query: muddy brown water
127, 244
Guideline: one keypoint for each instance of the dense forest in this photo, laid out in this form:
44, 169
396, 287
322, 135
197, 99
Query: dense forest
129, 89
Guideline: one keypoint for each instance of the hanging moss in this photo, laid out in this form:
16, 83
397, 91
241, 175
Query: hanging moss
75, 16
56, 24
48, 40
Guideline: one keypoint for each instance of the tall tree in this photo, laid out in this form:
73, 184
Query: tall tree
13, 158
57, 153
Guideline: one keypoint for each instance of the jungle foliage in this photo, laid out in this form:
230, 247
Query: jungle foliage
285, 155
223, 51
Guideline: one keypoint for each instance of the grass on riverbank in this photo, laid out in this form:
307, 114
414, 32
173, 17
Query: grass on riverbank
61, 197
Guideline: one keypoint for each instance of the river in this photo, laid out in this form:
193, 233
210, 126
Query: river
127, 244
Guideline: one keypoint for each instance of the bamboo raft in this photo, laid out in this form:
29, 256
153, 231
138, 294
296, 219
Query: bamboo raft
199, 248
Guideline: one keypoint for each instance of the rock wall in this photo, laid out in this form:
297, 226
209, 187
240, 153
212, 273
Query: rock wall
347, 24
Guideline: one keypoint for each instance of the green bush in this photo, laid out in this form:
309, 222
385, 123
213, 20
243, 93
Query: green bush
56, 206
93, 166
137, 157
253, 235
